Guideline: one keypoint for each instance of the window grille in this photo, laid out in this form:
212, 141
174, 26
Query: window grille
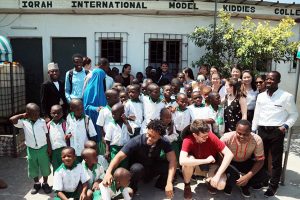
293, 64
172, 48
111, 45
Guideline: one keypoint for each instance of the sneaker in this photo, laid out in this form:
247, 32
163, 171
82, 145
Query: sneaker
271, 191
257, 186
228, 190
187, 193
36, 188
47, 189
211, 189
245, 191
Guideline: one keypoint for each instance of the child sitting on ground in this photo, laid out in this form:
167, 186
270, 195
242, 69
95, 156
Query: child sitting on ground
79, 127
101, 159
57, 128
134, 109
36, 139
119, 186
117, 131
93, 169
68, 176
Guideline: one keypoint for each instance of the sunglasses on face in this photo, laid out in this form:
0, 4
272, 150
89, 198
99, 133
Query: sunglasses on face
259, 82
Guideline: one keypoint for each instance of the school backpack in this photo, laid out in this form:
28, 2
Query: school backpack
71, 77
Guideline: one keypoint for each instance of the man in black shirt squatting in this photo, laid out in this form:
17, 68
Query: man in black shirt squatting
143, 153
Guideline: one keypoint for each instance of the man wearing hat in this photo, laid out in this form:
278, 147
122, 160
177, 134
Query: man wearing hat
52, 92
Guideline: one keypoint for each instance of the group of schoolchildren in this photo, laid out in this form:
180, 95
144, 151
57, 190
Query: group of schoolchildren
75, 159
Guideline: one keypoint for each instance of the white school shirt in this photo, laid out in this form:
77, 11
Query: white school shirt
67, 180
181, 118
78, 130
117, 135
151, 109
104, 116
35, 133
136, 109
172, 137
200, 112
108, 193
95, 174
57, 135
276, 110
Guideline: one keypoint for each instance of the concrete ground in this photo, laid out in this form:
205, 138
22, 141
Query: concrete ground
14, 172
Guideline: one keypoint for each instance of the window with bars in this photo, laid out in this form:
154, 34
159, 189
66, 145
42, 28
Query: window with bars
166, 47
293, 64
111, 45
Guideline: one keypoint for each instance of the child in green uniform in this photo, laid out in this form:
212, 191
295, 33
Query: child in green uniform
36, 139
56, 128
93, 169
68, 176
118, 187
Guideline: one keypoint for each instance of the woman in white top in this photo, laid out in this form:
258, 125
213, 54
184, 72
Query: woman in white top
217, 85
249, 89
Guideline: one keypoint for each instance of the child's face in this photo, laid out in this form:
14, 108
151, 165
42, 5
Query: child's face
68, 157
181, 77
154, 93
167, 91
112, 99
116, 114
33, 115
123, 96
182, 102
144, 89
124, 182
175, 88
197, 98
216, 99
91, 159
188, 90
53, 74
77, 109
56, 113
166, 118
133, 93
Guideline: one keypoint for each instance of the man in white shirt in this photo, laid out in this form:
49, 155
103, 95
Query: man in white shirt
275, 112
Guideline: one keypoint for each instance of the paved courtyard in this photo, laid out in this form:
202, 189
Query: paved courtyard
14, 172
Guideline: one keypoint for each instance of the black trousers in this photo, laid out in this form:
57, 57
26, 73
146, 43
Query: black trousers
235, 169
147, 173
273, 140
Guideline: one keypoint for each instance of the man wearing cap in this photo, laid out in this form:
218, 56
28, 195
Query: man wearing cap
53, 92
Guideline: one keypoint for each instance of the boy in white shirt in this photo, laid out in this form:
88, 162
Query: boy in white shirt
181, 116
112, 97
199, 110
119, 186
152, 105
101, 159
79, 127
68, 176
134, 109
117, 131
57, 128
93, 169
36, 140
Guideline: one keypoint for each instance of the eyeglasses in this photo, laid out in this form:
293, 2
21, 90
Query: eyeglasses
259, 82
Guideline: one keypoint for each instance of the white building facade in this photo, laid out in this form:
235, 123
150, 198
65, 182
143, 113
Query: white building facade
140, 33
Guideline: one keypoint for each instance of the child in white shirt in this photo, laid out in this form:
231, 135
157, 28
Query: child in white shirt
79, 127
134, 109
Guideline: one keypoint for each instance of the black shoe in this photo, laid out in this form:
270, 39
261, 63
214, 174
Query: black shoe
228, 190
265, 184
211, 189
257, 186
245, 191
271, 191
36, 188
47, 189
